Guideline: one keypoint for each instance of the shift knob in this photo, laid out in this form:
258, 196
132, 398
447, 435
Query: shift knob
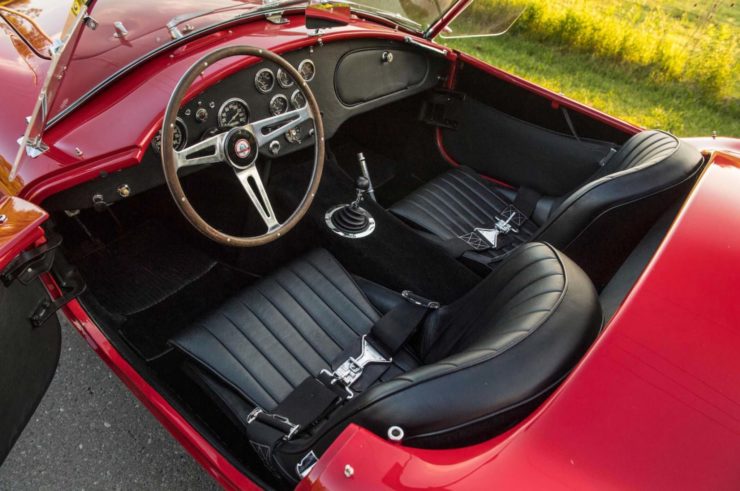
362, 183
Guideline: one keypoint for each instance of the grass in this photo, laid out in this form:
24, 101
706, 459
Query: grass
670, 64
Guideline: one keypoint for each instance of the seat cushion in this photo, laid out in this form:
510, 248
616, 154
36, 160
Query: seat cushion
454, 204
274, 334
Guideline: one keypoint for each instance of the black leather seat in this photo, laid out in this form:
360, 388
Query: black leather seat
474, 367
601, 219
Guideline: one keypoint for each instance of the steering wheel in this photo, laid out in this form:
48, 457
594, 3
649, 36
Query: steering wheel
239, 148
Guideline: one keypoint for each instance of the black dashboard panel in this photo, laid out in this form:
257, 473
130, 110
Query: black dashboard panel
368, 74
339, 72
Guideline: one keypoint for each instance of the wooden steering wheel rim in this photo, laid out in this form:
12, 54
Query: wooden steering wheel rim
169, 163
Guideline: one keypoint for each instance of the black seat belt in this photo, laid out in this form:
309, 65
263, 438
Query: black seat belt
315, 396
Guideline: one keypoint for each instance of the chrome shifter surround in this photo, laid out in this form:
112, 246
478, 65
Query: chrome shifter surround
350, 235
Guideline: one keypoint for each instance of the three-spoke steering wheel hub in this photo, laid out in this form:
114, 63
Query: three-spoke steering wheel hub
240, 148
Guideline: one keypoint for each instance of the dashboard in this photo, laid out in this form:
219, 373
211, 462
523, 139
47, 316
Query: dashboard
346, 77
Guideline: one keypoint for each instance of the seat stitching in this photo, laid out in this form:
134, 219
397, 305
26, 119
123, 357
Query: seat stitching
336, 287
458, 199
309, 314
450, 220
434, 217
313, 318
300, 333
269, 360
454, 214
531, 297
255, 379
464, 182
487, 214
325, 304
295, 328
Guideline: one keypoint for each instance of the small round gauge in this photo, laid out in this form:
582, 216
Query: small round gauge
298, 100
284, 78
179, 137
307, 70
264, 80
278, 104
233, 112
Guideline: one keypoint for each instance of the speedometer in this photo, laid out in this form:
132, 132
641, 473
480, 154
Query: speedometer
233, 112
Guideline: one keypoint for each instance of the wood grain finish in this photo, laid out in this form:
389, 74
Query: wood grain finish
17, 219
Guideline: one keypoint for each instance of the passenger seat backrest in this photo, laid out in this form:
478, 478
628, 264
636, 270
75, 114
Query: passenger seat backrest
600, 222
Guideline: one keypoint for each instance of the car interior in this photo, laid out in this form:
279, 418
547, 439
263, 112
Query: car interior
468, 241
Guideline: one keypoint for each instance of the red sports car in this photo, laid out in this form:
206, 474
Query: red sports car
328, 252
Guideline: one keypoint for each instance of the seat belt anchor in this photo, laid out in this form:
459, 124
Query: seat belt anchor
419, 300
276, 421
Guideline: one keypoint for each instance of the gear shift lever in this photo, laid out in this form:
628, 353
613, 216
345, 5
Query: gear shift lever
362, 185
351, 220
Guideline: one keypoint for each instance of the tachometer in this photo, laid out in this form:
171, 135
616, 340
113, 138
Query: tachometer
179, 137
233, 112
284, 78
278, 104
297, 100
264, 80
307, 70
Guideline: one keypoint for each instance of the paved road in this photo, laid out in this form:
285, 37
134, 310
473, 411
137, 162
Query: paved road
90, 432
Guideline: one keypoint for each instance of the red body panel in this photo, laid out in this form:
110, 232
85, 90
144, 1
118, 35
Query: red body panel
654, 405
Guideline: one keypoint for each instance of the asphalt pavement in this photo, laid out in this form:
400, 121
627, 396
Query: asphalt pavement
90, 432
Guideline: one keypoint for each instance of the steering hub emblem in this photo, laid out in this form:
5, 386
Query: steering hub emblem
242, 148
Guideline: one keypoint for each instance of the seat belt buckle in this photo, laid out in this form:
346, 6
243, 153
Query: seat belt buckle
419, 300
276, 421
351, 369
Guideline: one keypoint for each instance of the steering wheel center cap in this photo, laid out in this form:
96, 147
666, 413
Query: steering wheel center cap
241, 148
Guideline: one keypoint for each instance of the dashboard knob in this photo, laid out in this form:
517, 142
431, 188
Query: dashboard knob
274, 147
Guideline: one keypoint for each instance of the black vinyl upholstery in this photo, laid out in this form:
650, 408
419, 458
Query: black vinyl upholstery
472, 368
648, 164
265, 340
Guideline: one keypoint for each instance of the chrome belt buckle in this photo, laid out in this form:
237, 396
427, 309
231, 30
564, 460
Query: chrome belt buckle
348, 372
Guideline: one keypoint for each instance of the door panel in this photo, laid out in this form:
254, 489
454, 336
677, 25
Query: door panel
28, 353
521, 153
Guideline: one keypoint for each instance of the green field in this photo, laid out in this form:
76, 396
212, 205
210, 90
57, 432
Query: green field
669, 64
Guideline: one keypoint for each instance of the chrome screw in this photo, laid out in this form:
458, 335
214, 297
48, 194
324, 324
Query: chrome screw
348, 471
3, 219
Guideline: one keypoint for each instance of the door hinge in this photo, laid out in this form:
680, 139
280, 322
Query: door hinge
443, 108
30, 264
72, 286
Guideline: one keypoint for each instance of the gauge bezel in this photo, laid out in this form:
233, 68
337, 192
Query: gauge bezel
290, 83
312, 64
279, 96
256, 76
183, 141
293, 96
229, 101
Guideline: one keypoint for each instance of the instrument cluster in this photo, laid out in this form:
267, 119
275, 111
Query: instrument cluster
202, 117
